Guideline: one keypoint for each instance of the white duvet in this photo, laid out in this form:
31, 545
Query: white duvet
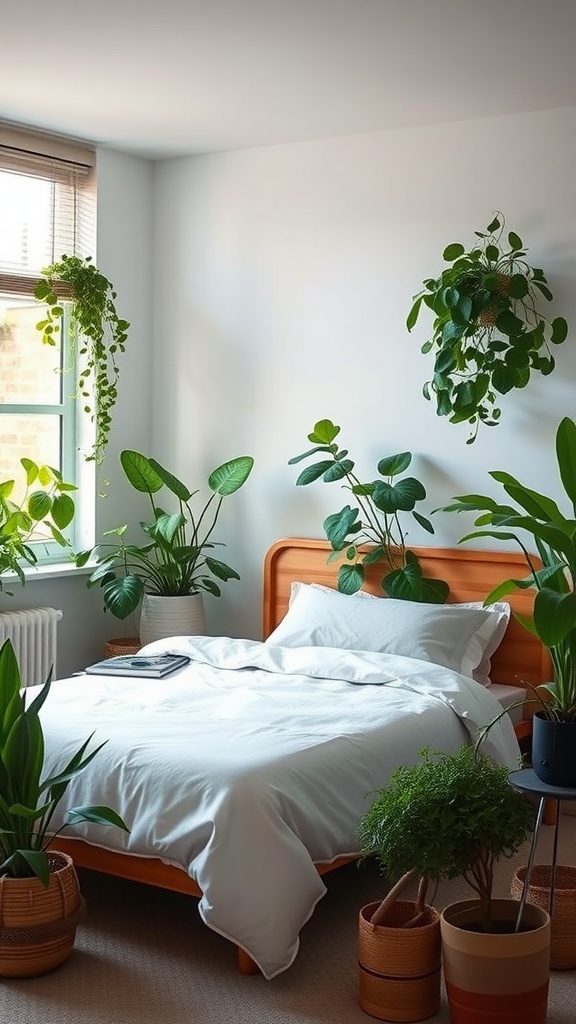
254, 762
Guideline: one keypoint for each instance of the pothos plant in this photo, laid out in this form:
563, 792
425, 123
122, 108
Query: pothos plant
488, 334
98, 335
373, 520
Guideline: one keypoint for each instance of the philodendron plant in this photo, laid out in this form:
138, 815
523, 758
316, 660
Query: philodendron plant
488, 333
373, 520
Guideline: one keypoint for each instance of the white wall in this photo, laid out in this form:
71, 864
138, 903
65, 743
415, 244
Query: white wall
283, 277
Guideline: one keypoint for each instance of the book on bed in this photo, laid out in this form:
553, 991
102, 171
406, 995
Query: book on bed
154, 665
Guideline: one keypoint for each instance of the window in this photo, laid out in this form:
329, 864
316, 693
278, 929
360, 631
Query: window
47, 209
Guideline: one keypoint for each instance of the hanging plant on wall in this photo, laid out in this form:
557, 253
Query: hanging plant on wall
375, 520
488, 333
98, 335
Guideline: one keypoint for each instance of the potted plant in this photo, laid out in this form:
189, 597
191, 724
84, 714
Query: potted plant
488, 334
43, 509
41, 900
98, 335
553, 579
453, 815
176, 561
374, 520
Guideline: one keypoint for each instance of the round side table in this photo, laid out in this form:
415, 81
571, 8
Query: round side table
526, 780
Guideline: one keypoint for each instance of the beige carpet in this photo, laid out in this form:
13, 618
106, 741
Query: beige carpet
144, 957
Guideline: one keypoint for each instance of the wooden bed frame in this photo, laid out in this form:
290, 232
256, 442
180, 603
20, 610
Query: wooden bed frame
470, 574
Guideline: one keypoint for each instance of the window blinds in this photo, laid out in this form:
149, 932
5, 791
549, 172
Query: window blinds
47, 204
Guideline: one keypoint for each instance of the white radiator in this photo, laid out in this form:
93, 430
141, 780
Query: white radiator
33, 632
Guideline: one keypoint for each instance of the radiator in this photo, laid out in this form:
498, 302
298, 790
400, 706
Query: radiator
33, 632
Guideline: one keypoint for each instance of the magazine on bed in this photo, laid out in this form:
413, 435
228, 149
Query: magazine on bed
154, 665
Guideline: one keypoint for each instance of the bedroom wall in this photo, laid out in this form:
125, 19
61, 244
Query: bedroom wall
283, 277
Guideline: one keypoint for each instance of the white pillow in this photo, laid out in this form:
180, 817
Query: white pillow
462, 637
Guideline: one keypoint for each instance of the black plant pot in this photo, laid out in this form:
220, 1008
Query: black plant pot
554, 751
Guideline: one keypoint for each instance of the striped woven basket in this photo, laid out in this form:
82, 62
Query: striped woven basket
563, 920
399, 968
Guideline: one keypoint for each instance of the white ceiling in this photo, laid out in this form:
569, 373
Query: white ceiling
182, 77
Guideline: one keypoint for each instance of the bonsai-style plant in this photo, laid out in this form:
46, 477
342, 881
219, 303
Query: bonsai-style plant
176, 559
28, 799
446, 816
374, 519
488, 333
98, 335
44, 510
553, 534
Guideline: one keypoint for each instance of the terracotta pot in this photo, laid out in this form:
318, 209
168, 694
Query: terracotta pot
38, 924
399, 968
496, 978
563, 921
171, 616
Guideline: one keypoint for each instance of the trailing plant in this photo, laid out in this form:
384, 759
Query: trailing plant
41, 514
28, 800
446, 816
554, 536
488, 334
373, 520
176, 560
98, 335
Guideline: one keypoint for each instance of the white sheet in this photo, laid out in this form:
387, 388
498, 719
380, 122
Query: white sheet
255, 761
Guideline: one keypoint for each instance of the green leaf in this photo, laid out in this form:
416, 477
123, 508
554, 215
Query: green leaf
140, 472
559, 330
424, 523
514, 241
312, 473
394, 464
350, 578
96, 814
554, 615
503, 378
324, 432
566, 457
221, 570
122, 596
413, 314
39, 505
230, 476
401, 496
63, 510
453, 251
340, 525
518, 286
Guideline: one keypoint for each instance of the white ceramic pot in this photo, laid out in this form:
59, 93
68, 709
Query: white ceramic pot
171, 616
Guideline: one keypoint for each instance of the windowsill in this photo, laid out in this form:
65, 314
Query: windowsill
48, 571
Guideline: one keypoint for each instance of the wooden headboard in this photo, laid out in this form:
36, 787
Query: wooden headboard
471, 575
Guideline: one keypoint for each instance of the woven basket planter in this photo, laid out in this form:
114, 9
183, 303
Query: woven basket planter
563, 920
38, 924
399, 968
122, 645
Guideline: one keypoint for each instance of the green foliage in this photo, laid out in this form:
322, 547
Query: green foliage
373, 520
446, 816
554, 536
27, 800
176, 559
99, 335
487, 332
45, 510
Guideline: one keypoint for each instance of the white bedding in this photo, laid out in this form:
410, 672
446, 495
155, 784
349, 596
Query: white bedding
255, 761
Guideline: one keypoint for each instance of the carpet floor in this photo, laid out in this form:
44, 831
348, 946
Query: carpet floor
143, 956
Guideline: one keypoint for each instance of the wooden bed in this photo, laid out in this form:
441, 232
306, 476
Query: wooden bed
470, 575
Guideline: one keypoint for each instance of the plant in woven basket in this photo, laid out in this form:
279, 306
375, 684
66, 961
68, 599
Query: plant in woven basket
98, 335
375, 519
27, 799
488, 333
445, 816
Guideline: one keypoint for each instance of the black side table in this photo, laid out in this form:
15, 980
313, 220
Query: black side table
526, 780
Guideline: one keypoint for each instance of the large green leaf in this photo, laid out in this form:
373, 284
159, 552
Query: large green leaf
340, 525
536, 504
554, 615
140, 472
324, 432
311, 473
350, 578
63, 510
401, 496
566, 456
230, 476
123, 595
171, 482
39, 505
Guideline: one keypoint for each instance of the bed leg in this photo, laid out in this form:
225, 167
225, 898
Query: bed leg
246, 963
